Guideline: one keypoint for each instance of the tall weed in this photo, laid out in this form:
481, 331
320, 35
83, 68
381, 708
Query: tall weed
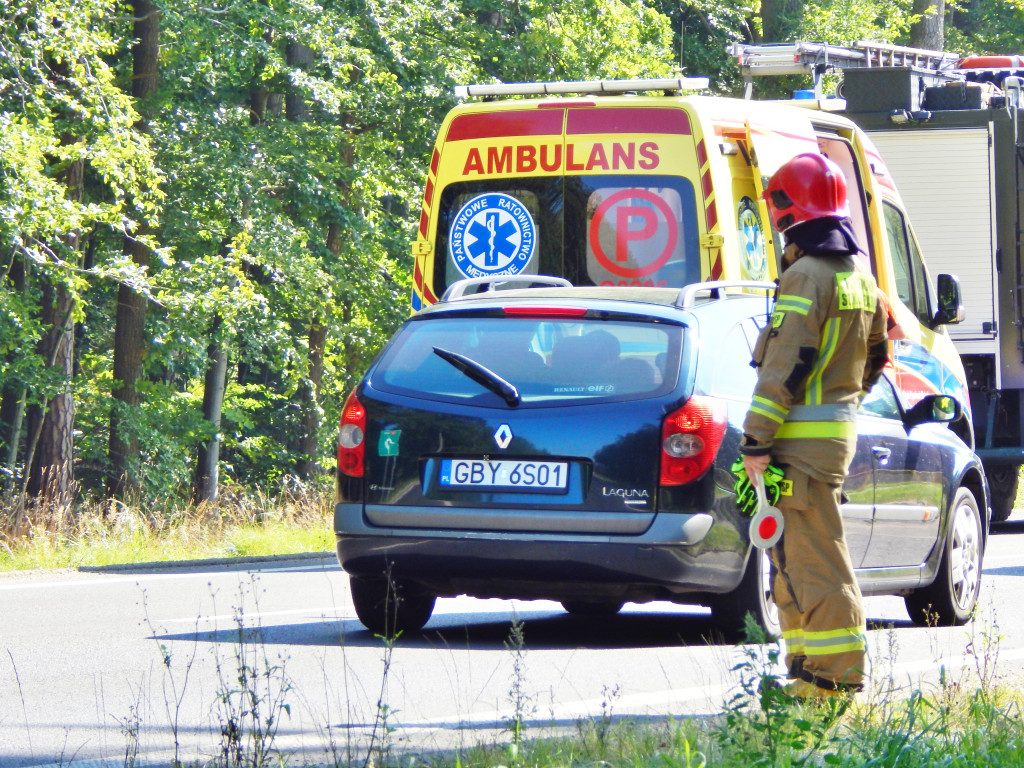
252, 692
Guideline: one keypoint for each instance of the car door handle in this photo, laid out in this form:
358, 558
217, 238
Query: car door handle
882, 454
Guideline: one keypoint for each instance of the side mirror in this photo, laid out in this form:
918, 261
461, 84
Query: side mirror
933, 408
951, 304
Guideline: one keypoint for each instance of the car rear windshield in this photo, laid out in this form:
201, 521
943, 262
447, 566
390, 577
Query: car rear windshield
547, 360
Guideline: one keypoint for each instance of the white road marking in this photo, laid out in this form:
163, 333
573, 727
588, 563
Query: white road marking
250, 617
102, 581
98, 579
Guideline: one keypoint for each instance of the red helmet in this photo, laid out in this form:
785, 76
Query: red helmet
809, 186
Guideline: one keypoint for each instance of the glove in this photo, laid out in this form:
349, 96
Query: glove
746, 494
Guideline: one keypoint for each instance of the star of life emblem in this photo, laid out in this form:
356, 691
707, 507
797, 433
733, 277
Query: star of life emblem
492, 235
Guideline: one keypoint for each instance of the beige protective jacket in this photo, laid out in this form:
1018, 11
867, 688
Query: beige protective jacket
824, 346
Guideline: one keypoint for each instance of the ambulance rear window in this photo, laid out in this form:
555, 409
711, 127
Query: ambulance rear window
640, 232
597, 229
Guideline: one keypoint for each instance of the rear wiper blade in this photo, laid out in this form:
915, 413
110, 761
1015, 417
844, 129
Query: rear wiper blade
481, 375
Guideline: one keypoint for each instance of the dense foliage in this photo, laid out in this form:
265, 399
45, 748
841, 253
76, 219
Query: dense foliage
247, 197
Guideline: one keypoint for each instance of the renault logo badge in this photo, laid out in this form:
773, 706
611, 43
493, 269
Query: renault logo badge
503, 436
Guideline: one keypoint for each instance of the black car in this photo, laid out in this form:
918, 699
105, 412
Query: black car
575, 444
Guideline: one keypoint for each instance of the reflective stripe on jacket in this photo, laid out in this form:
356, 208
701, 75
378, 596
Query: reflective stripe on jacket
824, 345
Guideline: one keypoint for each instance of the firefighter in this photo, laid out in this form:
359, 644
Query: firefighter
822, 349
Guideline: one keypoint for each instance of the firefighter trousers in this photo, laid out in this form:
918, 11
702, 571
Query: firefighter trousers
820, 606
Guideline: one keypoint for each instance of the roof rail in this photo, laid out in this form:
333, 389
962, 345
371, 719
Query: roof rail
668, 84
688, 296
457, 290
803, 58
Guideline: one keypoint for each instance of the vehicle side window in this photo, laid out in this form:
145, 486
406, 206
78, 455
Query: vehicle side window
839, 151
908, 266
734, 376
881, 401
922, 289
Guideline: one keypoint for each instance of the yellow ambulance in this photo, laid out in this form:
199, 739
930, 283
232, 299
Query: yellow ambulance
643, 183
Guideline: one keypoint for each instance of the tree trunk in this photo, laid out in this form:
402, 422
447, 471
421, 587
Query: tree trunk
348, 346
207, 475
50, 478
309, 447
309, 398
12, 399
301, 56
967, 16
780, 20
929, 32
262, 101
129, 334
12, 414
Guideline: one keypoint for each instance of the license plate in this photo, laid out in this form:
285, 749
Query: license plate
476, 473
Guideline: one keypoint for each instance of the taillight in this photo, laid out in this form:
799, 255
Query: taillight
690, 438
351, 437
546, 311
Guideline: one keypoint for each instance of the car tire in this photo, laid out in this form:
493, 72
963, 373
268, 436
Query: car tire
388, 609
950, 600
753, 595
1002, 486
592, 607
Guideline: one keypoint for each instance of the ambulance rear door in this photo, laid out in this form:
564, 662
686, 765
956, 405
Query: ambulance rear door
602, 192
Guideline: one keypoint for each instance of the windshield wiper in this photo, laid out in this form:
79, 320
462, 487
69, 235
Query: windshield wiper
481, 375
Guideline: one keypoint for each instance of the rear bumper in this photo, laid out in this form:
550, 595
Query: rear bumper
671, 558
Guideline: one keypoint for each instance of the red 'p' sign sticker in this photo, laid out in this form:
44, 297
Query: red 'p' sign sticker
638, 227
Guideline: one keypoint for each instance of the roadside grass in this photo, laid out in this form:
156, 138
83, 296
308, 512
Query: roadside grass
965, 719
294, 518
926, 730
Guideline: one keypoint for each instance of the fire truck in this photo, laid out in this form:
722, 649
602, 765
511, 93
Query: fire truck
948, 129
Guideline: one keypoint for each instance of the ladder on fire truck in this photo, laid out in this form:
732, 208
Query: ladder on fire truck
815, 59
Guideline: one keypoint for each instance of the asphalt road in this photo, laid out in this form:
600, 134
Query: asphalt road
97, 664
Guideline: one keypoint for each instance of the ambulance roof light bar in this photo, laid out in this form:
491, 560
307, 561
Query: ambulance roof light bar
582, 87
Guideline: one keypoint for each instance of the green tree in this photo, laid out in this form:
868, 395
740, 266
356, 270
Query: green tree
705, 29
129, 331
70, 161
843, 22
552, 40
986, 26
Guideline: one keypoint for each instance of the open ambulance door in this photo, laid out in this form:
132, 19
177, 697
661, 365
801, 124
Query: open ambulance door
769, 149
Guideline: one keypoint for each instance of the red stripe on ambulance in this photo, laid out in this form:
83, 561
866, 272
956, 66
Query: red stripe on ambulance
627, 120
496, 125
